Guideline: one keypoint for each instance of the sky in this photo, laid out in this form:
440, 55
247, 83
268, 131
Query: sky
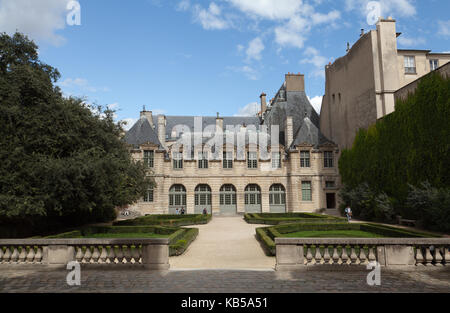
194, 57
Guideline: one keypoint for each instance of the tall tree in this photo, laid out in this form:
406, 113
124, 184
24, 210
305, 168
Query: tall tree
61, 162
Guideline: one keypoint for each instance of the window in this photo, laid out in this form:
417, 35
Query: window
277, 195
228, 195
203, 160
149, 157
203, 195
328, 159
148, 197
252, 195
228, 160
410, 65
276, 160
252, 160
330, 184
306, 191
434, 64
177, 160
177, 196
305, 159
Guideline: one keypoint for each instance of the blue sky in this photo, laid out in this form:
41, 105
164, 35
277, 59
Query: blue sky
193, 57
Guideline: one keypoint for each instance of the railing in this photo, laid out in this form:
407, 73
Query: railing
296, 253
149, 253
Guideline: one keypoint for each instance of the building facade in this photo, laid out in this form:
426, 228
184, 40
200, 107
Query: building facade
360, 86
278, 161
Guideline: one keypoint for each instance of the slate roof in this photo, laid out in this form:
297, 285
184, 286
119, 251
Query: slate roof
208, 123
306, 121
142, 132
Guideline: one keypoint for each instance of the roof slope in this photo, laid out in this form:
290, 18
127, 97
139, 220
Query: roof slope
142, 132
306, 121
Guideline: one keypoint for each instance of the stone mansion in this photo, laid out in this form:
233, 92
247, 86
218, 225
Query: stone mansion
229, 169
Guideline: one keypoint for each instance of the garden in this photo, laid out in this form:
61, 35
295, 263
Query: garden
152, 226
285, 218
267, 235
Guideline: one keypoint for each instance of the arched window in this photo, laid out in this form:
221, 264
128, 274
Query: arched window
253, 195
277, 195
177, 196
203, 195
228, 203
228, 195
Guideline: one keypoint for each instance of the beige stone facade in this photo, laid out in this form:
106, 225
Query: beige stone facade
360, 86
305, 189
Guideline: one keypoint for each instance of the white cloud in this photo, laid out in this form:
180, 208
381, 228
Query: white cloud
250, 109
444, 28
183, 5
318, 61
316, 102
255, 47
129, 123
269, 9
210, 18
403, 8
80, 84
247, 70
410, 42
40, 20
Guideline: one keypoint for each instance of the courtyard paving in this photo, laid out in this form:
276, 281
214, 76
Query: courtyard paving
224, 243
221, 281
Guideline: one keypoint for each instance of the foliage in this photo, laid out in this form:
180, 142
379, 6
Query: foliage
62, 162
431, 206
285, 218
167, 220
407, 147
366, 204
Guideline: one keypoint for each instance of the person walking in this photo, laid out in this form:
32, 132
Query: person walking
348, 213
176, 212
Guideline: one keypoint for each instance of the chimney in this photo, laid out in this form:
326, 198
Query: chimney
362, 32
295, 82
348, 47
289, 133
162, 130
263, 103
149, 116
219, 124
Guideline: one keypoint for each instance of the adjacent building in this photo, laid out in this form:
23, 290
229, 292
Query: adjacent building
361, 86
225, 171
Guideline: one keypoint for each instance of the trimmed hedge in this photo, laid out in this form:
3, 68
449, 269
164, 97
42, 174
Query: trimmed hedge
179, 238
167, 220
267, 235
287, 218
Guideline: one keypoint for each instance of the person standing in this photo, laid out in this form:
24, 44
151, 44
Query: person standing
176, 212
348, 213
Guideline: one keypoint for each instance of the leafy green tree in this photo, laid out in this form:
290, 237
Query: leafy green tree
62, 162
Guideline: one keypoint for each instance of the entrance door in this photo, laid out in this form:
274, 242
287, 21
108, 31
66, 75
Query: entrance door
253, 199
177, 198
331, 201
277, 199
228, 203
202, 199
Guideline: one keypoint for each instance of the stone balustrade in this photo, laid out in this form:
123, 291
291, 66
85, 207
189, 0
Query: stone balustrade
149, 253
302, 253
